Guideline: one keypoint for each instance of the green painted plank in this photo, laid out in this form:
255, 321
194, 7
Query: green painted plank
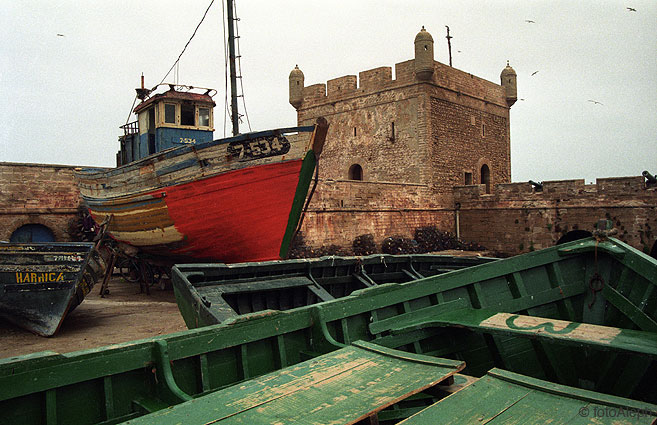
487, 321
344, 387
630, 310
512, 305
503, 397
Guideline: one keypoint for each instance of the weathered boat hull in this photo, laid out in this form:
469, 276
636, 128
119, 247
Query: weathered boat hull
41, 282
209, 294
543, 296
207, 202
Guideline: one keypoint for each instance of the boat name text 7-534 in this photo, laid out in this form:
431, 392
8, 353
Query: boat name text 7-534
261, 147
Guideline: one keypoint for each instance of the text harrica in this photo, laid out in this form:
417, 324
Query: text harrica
39, 277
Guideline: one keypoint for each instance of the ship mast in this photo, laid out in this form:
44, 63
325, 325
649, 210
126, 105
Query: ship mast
234, 114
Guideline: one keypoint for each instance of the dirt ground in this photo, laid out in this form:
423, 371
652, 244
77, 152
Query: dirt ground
122, 315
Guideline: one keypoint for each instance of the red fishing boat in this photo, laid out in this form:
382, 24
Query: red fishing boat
179, 193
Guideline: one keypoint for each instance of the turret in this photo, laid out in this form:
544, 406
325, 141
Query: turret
423, 55
296, 87
508, 81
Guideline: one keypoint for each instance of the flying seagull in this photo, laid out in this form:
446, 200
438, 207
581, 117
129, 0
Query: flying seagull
529, 21
534, 73
631, 9
595, 102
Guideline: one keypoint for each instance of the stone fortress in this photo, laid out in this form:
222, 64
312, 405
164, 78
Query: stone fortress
430, 147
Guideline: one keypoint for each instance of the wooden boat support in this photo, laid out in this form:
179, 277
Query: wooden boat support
452, 316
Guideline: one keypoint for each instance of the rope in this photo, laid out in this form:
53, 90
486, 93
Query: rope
188, 41
130, 112
596, 283
177, 60
226, 111
239, 66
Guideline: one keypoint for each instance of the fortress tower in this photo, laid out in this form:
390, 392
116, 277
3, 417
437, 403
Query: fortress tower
397, 147
433, 124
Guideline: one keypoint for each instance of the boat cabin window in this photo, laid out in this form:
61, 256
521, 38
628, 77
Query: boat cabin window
170, 113
204, 117
187, 114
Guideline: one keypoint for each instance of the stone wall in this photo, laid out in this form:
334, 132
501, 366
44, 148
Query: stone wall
517, 218
37, 194
341, 210
409, 131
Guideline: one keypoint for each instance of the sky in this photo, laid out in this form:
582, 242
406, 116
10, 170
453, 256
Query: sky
69, 69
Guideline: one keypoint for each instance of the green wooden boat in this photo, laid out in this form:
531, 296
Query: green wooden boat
581, 314
503, 397
208, 294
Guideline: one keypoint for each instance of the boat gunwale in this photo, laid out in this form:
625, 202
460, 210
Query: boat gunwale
145, 195
93, 172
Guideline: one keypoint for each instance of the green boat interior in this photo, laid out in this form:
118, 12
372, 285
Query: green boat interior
579, 316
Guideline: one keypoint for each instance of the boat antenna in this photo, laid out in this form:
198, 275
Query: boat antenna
234, 115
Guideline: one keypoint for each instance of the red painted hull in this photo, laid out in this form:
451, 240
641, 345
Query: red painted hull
230, 200
238, 216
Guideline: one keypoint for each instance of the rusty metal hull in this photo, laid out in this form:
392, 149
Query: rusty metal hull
41, 282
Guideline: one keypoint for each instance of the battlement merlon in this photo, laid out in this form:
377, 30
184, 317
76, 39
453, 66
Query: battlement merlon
380, 78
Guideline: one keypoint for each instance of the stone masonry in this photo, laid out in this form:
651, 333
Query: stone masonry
432, 147
517, 218
412, 138
38, 194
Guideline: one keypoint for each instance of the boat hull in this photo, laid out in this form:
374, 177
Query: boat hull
241, 215
208, 294
209, 202
539, 292
40, 283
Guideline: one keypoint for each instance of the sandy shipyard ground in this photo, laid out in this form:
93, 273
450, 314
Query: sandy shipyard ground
123, 315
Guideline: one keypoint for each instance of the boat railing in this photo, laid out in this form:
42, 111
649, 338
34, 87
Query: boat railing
130, 128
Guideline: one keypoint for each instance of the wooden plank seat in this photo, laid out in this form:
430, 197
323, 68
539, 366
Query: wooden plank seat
502, 397
341, 387
561, 331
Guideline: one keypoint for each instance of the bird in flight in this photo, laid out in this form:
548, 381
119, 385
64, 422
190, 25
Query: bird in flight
529, 21
60, 35
595, 102
534, 73
631, 9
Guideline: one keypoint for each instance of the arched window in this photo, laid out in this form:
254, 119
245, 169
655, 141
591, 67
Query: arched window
32, 233
485, 177
355, 172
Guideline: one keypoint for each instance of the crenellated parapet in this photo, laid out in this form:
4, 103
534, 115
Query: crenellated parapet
422, 69
341, 85
559, 190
